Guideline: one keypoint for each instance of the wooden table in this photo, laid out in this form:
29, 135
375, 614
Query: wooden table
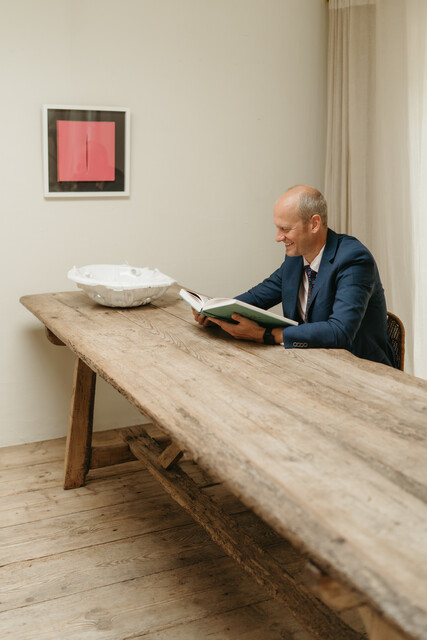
328, 449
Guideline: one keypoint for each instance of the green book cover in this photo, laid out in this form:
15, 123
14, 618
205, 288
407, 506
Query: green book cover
224, 308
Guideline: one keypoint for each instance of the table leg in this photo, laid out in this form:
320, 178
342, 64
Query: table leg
377, 628
340, 598
79, 439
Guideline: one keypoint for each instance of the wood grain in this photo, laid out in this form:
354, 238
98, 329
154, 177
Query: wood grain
79, 439
328, 449
108, 455
168, 584
319, 620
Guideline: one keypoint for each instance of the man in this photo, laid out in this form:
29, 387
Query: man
328, 282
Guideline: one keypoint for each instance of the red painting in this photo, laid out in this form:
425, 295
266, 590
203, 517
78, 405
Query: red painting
86, 151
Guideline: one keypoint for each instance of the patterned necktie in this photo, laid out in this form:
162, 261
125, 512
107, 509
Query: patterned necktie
311, 275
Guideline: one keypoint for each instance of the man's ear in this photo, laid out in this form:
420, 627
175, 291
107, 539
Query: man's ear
316, 223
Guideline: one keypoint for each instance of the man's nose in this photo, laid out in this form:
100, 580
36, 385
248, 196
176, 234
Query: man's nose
280, 236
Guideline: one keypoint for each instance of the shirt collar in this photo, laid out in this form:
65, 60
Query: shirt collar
315, 264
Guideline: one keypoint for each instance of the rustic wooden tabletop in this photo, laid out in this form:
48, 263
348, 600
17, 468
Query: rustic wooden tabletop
330, 450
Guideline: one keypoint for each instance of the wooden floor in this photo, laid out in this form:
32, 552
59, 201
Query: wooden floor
119, 559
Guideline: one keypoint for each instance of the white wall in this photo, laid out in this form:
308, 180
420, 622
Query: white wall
228, 103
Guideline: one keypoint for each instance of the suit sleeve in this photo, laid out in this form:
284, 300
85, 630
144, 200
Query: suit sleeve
354, 284
266, 294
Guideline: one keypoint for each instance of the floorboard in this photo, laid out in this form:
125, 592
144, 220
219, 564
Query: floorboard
118, 559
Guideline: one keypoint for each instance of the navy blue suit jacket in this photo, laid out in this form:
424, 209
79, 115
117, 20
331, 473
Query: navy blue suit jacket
347, 309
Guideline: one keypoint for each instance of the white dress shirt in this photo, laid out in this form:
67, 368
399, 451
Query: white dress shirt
303, 290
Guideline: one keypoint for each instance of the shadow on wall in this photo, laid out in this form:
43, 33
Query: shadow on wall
55, 383
55, 376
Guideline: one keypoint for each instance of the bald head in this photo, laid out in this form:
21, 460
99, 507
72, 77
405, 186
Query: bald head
306, 202
300, 216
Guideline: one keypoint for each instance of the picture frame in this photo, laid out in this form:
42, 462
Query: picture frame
86, 151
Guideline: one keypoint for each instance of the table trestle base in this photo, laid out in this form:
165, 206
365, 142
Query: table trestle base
340, 598
224, 530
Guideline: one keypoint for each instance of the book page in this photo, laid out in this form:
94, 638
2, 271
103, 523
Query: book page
194, 299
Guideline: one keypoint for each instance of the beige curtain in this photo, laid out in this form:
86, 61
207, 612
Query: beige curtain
376, 160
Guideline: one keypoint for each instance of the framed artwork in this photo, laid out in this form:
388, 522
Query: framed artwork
86, 151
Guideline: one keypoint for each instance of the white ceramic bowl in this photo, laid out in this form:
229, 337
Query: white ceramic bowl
120, 285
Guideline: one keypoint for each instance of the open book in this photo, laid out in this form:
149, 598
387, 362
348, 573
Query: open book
224, 308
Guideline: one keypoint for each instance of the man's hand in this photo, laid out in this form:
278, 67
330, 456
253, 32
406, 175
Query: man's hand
204, 321
244, 329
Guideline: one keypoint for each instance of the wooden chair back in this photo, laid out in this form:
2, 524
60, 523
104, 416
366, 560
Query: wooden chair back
396, 331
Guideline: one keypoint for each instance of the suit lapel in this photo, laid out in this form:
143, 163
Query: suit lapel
291, 283
325, 264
